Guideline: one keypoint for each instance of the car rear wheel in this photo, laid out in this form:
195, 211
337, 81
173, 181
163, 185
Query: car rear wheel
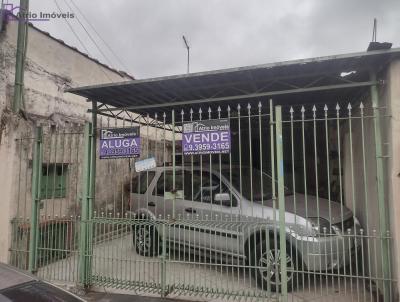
146, 240
267, 263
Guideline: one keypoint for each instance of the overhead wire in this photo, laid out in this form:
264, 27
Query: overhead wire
120, 61
71, 28
80, 41
89, 35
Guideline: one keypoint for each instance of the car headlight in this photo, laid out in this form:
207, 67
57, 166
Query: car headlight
321, 226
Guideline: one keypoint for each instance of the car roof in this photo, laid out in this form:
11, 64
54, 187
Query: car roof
11, 276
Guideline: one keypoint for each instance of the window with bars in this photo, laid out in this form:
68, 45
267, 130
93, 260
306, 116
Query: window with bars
53, 181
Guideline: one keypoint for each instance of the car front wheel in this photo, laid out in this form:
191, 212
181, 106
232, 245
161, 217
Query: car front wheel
146, 240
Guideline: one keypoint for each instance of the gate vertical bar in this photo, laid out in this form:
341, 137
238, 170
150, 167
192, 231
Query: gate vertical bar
36, 172
163, 263
85, 215
281, 200
383, 223
173, 164
163, 246
92, 190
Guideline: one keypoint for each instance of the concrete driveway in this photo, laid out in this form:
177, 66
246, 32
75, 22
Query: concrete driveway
118, 269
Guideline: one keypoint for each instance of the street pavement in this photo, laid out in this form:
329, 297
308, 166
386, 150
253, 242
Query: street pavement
109, 297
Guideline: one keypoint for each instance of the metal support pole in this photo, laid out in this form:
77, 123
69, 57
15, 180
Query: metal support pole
93, 159
91, 197
281, 200
85, 209
22, 42
173, 165
188, 52
188, 59
36, 173
383, 221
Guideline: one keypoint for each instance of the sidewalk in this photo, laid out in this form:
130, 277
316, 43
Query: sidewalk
109, 297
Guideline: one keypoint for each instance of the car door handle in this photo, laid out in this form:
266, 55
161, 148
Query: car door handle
151, 204
190, 210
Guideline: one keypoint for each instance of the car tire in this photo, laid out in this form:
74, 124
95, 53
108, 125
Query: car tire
146, 240
266, 266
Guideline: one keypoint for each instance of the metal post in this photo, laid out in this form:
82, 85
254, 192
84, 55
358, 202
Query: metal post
85, 208
36, 173
188, 60
281, 200
22, 42
163, 264
93, 156
383, 221
92, 190
173, 165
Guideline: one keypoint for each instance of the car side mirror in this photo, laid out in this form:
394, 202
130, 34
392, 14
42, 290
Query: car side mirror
223, 198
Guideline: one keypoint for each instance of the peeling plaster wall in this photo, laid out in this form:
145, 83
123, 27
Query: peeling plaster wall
51, 67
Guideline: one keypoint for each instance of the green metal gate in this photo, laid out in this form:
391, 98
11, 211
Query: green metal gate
177, 267
288, 214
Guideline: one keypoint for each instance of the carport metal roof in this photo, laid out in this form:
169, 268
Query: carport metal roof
316, 80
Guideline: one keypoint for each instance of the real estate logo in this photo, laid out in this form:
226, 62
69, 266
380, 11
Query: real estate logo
13, 13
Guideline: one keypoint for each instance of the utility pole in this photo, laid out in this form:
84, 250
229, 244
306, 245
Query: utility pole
188, 52
22, 43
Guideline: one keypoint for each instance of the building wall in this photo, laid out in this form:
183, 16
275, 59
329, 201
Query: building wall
392, 149
365, 205
51, 66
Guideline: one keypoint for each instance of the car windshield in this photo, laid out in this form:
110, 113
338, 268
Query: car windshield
255, 185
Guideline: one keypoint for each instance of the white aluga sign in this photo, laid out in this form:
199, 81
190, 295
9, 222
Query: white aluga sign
145, 164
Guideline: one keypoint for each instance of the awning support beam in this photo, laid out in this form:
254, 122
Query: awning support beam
245, 96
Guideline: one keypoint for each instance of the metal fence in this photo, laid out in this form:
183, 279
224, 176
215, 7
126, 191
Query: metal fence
48, 193
294, 211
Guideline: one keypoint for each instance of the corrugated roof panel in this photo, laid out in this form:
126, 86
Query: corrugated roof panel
239, 83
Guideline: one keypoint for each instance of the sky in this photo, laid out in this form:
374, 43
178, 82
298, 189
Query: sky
146, 35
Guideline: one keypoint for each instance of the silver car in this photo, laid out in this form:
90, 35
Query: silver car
230, 212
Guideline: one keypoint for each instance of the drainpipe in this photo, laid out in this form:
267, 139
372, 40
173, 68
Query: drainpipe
22, 42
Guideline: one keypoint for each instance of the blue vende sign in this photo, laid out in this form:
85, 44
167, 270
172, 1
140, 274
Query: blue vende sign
206, 137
